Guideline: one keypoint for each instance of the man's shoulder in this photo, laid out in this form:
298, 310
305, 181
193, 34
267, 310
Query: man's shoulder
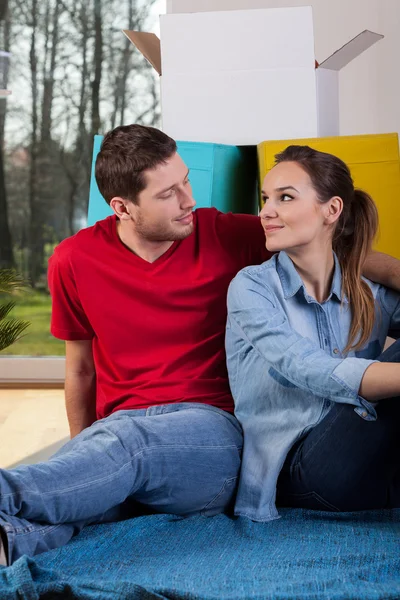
85, 239
212, 214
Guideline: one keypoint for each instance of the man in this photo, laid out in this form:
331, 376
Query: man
140, 301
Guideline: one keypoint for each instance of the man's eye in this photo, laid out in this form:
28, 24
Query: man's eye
167, 194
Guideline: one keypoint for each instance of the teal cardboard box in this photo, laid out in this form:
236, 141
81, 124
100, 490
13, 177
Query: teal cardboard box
221, 176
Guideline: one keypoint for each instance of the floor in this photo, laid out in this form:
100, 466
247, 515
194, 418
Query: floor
33, 425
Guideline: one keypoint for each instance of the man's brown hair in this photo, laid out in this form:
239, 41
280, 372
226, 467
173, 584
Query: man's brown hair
126, 152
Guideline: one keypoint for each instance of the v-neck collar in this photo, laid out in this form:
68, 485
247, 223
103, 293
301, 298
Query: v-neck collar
139, 262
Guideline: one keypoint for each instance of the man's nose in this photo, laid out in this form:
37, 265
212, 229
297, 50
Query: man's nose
187, 199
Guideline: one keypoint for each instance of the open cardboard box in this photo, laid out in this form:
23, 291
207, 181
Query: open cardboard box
240, 77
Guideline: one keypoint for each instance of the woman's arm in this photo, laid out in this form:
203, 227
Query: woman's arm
381, 380
255, 316
383, 269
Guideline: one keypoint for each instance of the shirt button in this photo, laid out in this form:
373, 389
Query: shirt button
335, 351
364, 414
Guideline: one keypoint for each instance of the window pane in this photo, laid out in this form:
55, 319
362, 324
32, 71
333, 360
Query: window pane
73, 74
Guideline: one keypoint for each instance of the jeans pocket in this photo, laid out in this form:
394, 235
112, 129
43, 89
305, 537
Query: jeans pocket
309, 500
223, 500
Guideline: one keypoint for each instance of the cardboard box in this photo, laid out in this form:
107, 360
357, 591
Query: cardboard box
375, 167
237, 77
221, 176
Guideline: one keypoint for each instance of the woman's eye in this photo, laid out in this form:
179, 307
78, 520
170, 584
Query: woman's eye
286, 197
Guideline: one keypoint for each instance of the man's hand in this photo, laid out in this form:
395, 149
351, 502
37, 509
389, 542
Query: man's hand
383, 269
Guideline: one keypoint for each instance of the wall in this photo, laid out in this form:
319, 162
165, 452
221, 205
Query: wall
370, 85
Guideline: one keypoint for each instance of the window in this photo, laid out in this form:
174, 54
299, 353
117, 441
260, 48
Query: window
72, 74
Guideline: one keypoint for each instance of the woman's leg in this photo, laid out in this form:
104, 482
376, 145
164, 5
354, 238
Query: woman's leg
347, 463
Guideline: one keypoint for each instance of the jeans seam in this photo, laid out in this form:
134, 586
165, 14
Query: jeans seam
321, 436
224, 485
315, 495
116, 473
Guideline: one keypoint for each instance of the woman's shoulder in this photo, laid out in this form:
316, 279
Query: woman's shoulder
258, 272
260, 279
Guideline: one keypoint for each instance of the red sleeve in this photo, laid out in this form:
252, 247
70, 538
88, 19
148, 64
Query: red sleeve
68, 319
245, 234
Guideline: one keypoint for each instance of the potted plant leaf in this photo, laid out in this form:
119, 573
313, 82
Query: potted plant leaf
11, 329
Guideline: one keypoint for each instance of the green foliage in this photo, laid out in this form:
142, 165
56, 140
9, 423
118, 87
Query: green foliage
11, 329
36, 306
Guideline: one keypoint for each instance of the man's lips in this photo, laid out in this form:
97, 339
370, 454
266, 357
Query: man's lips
186, 219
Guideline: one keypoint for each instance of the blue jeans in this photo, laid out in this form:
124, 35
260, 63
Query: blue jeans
180, 458
346, 463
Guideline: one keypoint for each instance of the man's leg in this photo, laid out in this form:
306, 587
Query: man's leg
179, 459
346, 463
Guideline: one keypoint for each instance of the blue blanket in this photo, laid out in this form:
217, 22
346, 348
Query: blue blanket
305, 555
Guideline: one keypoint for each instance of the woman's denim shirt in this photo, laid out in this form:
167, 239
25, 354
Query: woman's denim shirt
286, 366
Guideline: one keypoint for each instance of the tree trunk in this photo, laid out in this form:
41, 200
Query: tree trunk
48, 84
98, 57
6, 247
35, 225
126, 58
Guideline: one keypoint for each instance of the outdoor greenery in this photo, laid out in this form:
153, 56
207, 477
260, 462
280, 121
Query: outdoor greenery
38, 341
73, 74
11, 328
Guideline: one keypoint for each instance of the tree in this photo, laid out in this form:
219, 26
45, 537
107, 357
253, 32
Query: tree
10, 329
84, 77
6, 249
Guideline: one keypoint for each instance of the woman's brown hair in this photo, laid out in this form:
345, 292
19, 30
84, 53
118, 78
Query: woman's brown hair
353, 235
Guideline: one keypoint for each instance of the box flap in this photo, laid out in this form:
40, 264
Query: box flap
148, 44
351, 50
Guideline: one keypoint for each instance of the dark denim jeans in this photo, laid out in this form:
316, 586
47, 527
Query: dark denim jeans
346, 463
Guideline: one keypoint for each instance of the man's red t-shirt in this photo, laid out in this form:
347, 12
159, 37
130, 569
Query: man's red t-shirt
158, 328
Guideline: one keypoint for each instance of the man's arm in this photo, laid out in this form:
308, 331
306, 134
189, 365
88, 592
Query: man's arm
80, 385
383, 269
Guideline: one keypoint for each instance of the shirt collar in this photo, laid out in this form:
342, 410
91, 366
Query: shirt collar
292, 282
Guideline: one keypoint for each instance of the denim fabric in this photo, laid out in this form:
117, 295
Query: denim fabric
286, 367
181, 459
306, 555
346, 463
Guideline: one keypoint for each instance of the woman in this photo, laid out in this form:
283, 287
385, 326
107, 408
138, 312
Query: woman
320, 415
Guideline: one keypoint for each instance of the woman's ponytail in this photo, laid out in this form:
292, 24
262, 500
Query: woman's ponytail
352, 243
354, 232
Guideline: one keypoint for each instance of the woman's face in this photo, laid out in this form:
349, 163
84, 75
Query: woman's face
292, 216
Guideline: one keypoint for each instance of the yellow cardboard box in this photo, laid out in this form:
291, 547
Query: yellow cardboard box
375, 167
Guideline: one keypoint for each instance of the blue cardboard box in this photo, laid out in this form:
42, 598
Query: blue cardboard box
221, 176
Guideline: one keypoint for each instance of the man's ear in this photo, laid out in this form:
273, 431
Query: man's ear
122, 208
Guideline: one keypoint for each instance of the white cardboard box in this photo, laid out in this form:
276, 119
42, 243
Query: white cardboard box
240, 77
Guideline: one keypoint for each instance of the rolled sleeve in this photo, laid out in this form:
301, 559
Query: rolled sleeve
349, 373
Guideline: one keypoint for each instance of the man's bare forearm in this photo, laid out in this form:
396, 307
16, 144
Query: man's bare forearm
80, 401
383, 269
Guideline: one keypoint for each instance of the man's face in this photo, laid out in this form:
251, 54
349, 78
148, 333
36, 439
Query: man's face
164, 209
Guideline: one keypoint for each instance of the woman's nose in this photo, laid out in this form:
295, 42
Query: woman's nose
268, 210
